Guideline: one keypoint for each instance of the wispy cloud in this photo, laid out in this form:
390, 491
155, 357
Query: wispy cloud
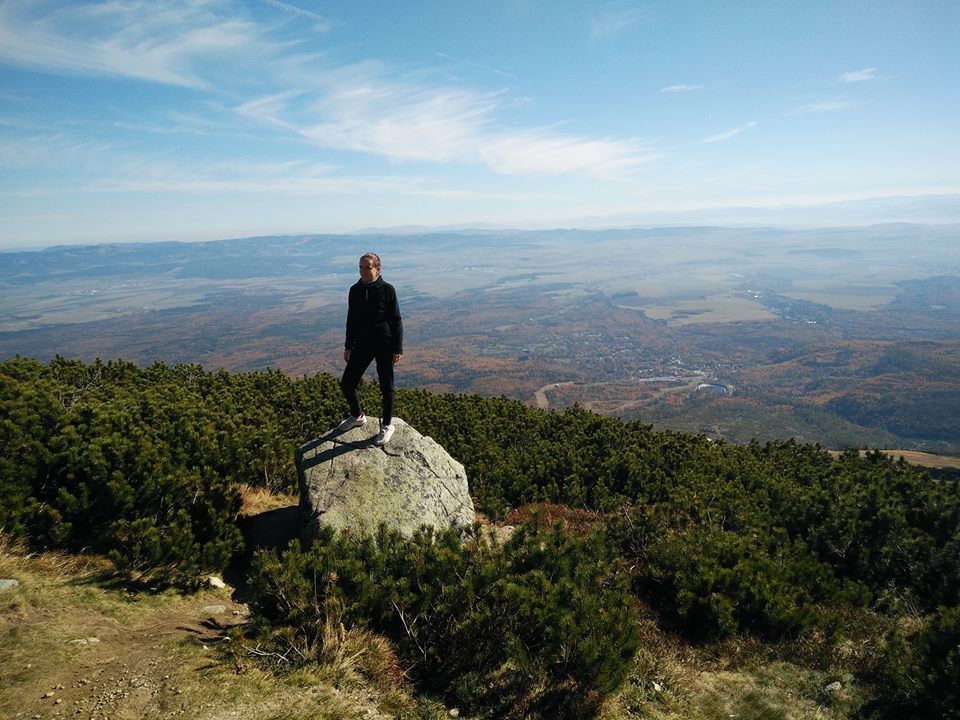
365, 107
323, 24
822, 107
139, 39
405, 121
523, 153
856, 76
476, 65
727, 134
680, 89
608, 25
125, 172
32, 150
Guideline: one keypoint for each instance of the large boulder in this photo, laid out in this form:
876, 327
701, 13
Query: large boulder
347, 482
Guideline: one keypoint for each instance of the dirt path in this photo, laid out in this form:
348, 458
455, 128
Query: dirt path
541, 395
71, 647
75, 651
689, 385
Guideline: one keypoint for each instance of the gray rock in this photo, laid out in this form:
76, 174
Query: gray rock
8, 584
349, 483
215, 582
834, 687
84, 641
214, 610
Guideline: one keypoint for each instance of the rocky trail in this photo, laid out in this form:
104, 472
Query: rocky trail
71, 646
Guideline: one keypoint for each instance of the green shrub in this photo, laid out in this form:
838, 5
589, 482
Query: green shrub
92, 454
920, 677
711, 583
541, 624
101, 459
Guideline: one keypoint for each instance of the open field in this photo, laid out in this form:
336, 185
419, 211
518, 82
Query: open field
712, 309
922, 459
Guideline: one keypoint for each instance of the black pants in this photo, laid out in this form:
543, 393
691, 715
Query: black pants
360, 359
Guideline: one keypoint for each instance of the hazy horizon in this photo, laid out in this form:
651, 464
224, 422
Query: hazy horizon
933, 211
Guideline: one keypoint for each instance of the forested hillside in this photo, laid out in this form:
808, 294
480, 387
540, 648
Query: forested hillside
779, 541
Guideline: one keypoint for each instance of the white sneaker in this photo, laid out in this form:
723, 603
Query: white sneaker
352, 422
383, 437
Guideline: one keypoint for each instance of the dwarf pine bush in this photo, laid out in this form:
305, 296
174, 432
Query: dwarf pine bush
540, 624
920, 671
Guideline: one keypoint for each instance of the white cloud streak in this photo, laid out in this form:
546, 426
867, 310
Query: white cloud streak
727, 134
822, 107
323, 24
166, 43
680, 89
406, 122
52, 149
476, 65
856, 76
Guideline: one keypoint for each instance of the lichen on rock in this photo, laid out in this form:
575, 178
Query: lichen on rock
349, 483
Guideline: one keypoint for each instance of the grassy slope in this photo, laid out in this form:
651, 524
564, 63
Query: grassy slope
163, 655
70, 645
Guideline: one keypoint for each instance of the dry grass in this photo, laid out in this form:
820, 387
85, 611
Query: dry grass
258, 500
741, 678
109, 653
573, 520
16, 557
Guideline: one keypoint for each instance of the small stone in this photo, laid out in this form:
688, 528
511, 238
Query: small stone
58, 701
834, 687
8, 583
236, 612
657, 687
454, 712
214, 581
214, 610
93, 640
49, 694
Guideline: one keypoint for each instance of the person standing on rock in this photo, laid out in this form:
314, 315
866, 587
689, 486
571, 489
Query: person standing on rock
374, 332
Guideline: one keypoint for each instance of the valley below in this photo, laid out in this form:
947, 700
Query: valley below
843, 337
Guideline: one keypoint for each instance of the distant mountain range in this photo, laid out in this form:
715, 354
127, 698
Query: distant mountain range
920, 209
943, 209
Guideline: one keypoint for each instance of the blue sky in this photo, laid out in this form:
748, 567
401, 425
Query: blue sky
133, 120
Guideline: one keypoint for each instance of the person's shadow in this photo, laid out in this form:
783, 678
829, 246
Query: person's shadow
340, 447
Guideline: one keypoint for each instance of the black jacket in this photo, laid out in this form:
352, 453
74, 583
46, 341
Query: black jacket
373, 316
